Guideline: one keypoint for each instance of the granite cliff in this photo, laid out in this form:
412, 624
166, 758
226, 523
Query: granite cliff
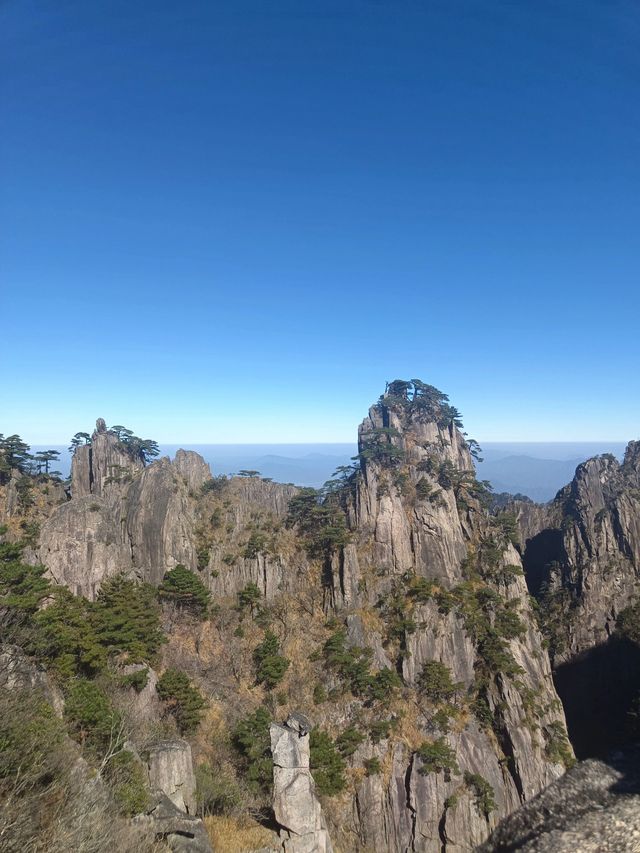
581, 554
390, 613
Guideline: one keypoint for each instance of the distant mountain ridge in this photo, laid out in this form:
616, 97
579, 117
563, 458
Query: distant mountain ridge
537, 470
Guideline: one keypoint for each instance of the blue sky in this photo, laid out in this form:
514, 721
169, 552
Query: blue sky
234, 221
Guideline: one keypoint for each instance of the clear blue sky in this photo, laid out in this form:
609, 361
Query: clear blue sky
233, 221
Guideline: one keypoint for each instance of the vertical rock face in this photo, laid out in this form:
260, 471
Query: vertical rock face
418, 524
170, 769
581, 553
192, 467
83, 543
421, 576
587, 542
103, 466
159, 524
295, 805
250, 497
123, 517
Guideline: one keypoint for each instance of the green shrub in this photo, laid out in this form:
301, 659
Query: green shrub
557, 747
185, 589
379, 730
30, 734
249, 598
482, 710
22, 587
217, 791
435, 682
127, 619
90, 716
184, 701
420, 589
270, 664
508, 624
321, 524
508, 524
137, 680
442, 718
484, 793
256, 545
437, 756
628, 623
203, 555
216, 485
348, 741
377, 446
66, 638
129, 784
30, 533
327, 765
495, 657
423, 489
319, 694
353, 664
372, 766
384, 684
251, 740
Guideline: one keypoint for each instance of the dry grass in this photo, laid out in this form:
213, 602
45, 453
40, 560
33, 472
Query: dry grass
233, 835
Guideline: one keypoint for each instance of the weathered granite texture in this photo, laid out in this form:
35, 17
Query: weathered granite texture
18, 672
395, 533
102, 467
82, 543
170, 769
160, 517
158, 520
594, 808
272, 573
181, 832
142, 522
295, 805
587, 543
192, 467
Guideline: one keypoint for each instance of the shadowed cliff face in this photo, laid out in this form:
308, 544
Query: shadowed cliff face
581, 554
413, 573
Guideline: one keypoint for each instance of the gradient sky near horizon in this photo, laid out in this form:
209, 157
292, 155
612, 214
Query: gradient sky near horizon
234, 221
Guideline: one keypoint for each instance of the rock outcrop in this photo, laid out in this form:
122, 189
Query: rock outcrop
581, 554
181, 832
138, 520
102, 467
418, 524
192, 467
594, 808
18, 672
83, 543
411, 570
587, 543
295, 805
159, 522
170, 769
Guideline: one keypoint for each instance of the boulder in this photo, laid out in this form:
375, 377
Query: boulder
181, 832
170, 768
594, 808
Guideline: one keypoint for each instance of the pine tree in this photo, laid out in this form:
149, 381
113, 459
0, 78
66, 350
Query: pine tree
184, 701
186, 590
127, 619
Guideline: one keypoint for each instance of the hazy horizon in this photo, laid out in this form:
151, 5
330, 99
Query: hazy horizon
536, 469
